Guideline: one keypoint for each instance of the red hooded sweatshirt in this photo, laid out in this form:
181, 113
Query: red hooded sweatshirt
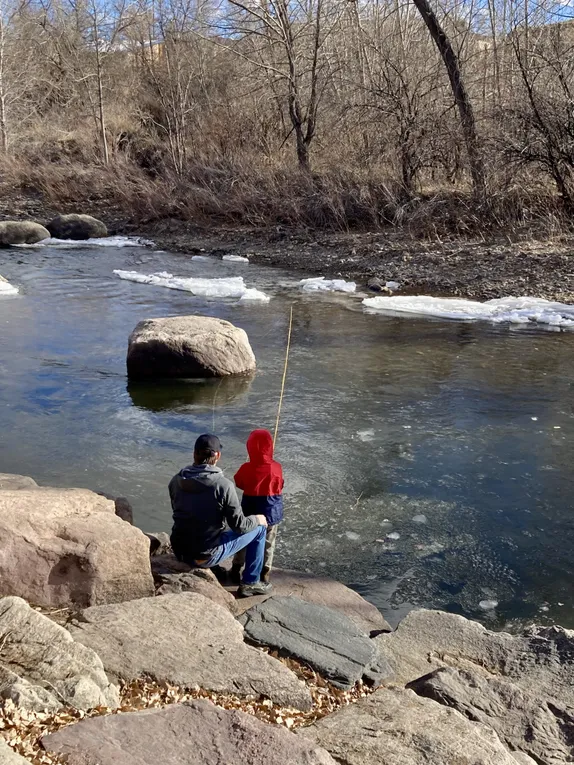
261, 479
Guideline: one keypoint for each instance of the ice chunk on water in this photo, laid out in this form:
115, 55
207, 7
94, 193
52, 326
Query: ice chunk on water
228, 287
394, 535
352, 536
6, 288
107, 241
320, 284
366, 435
488, 605
235, 258
392, 286
420, 519
514, 310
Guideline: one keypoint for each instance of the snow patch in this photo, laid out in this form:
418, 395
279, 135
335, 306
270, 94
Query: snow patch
229, 287
107, 241
320, 284
6, 288
392, 286
514, 310
235, 258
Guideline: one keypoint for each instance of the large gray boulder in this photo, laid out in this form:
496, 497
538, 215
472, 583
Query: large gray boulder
21, 232
187, 347
9, 757
13, 481
186, 640
524, 721
323, 592
42, 667
75, 226
397, 727
66, 547
323, 638
198, 733
539, 661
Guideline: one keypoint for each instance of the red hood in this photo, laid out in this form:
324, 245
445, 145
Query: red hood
260, 446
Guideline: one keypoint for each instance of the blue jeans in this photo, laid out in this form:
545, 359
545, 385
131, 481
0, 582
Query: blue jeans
231, 542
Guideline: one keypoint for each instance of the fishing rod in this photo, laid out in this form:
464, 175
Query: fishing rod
284, 375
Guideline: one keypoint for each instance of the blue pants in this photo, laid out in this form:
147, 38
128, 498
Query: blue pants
231, 542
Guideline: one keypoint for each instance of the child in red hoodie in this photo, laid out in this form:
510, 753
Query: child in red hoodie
261, 480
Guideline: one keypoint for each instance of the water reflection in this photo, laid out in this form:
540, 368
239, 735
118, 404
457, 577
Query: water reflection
189, 395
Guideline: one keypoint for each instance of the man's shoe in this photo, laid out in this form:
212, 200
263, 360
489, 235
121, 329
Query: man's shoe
235, 574
257, 588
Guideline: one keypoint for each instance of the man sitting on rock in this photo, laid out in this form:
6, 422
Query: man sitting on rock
208, 523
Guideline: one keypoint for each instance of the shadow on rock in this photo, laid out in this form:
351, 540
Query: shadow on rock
181, 395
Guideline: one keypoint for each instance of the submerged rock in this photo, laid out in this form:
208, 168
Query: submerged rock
186, 640
183, 734
42, 667
76, 226
398, 727
188, 346
21, 232
65, 547
323, 638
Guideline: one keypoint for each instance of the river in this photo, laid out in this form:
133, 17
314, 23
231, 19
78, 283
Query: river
427, 462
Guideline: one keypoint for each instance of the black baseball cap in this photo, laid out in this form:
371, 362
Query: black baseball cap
208, 442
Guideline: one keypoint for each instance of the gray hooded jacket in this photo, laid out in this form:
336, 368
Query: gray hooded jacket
205, 504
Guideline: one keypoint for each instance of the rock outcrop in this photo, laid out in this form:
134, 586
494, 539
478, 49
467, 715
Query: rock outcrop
539, 661
188, 346
186, 640
199, 580
21, 232
76, 227
9, 757
186, 734
66, 547
398, 727
323, 592
525, 721
323, 638
13, 481
42, 667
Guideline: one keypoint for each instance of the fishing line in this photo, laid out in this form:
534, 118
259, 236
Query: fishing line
284, 375
213, 407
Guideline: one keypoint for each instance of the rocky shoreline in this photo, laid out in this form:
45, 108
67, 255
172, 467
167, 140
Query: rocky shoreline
479, 268
311, 674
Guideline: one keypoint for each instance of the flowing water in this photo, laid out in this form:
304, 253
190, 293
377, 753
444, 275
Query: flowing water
428, 462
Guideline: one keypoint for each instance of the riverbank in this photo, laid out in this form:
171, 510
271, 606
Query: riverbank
526, 263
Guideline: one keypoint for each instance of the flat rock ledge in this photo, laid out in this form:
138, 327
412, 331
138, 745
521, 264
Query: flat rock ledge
397, 727
187, 734
323, 592
323, 638
189, 641
42, 667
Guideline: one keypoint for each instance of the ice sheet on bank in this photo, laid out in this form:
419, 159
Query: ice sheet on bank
515, 310
6, 288
107, 241
228, 287
235, 258
320, 284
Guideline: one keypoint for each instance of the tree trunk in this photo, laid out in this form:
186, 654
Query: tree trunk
461, 98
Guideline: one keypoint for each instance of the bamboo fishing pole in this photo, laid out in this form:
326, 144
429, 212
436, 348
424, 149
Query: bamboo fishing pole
284, 375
